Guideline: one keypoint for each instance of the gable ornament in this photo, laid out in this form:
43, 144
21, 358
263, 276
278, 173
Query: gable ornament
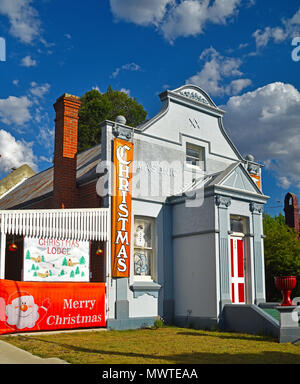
194, 96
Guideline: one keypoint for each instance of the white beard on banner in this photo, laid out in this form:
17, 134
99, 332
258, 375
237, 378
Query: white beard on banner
22, 312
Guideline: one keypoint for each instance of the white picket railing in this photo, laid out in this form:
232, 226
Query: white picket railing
72, 224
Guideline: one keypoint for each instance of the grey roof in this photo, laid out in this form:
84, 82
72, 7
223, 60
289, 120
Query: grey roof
210, 180
41, 184
217, 178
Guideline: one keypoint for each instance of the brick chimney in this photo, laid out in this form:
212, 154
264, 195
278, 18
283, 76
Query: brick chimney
65, 151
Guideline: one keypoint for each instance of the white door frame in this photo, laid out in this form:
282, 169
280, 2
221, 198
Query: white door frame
237, 280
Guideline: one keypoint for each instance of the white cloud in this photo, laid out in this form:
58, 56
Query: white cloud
126, 67
283, 182
265, 123
27, 61
216, 70
141, 12
96, 87
15, 110
288, 29
46, 159
46, 137
236, 86
127, 91
221, 10
23, 18
39, 90
262, 37
186, 19
175, 18
15, 153
296, 18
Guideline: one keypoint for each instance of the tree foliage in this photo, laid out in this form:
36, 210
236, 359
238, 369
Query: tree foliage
97, 107
282, 254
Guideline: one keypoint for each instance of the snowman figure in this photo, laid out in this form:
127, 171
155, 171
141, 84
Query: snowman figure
140, 236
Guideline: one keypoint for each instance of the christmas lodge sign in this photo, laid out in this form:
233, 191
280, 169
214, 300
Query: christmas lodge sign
121, 207
33, 306
56, 260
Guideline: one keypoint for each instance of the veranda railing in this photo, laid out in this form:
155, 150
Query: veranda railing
72, 224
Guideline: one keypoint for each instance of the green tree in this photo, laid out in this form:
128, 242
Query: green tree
282, 254
82, 260
97, 107
28, 255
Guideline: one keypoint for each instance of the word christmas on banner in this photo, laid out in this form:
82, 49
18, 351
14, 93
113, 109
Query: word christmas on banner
121, 208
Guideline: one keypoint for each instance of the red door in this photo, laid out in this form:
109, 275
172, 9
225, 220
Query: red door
237, 270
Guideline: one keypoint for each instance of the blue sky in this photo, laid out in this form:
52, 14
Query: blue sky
239, 51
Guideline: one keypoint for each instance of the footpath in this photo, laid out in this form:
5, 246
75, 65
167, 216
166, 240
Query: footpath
9, 354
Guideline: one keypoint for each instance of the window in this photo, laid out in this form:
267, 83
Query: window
143, 248
195, 155
238, 224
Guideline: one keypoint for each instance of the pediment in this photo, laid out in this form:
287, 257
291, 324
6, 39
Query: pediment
239, 178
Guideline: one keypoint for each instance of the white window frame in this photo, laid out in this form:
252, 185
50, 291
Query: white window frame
244, 225
151, 249
201, 150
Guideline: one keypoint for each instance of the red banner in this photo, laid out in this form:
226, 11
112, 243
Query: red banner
33, 306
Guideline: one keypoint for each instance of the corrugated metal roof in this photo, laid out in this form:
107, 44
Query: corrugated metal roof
14, 178
41, 184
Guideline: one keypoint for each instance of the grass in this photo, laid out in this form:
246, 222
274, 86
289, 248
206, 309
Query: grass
167, 345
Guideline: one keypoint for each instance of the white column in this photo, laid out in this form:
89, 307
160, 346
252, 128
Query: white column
2, 254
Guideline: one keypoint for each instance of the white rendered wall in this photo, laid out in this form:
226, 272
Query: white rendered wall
143, 306
195, 282
177, 122
195, 276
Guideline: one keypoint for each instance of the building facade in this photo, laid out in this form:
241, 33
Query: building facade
192, 240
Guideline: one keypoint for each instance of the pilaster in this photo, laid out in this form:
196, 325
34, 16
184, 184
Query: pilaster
258, 260
223, 202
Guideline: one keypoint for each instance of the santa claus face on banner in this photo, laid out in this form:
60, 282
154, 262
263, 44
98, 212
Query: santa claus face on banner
22, 312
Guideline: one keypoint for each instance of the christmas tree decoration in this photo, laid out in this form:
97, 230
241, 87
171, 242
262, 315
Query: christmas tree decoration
99, 252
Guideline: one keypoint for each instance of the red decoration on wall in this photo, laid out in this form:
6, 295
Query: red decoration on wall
12, 247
